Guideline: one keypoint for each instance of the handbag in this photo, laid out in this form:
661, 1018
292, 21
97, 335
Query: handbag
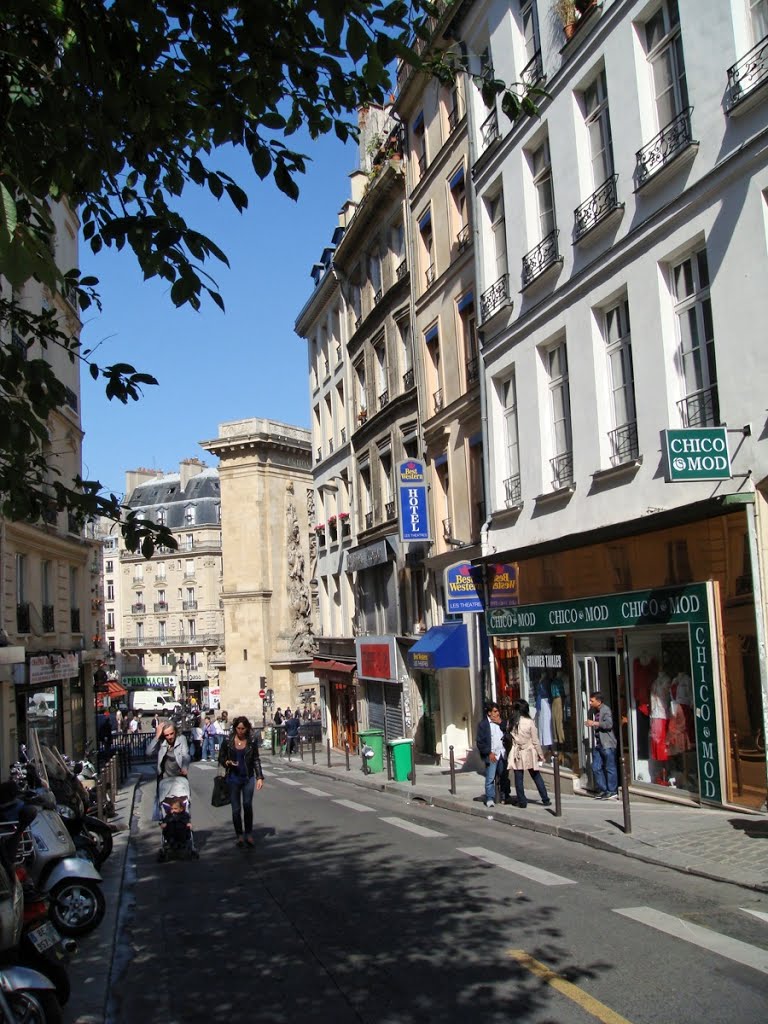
220, 794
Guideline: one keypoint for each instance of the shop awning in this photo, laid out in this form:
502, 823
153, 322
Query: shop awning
113, 689
328, 665
441, 647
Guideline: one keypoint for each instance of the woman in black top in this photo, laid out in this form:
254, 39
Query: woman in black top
239, 755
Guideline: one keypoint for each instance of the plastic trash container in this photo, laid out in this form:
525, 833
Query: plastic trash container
373, 738
402, 753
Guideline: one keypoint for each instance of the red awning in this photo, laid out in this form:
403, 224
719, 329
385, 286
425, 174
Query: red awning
114, 689
327, 665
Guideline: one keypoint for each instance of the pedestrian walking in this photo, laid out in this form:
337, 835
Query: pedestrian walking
292, 726
600, 721
278, 718
490, 744
105, 733
239, 755
209, 739
172, 764
219, 734
525, 753
196, 740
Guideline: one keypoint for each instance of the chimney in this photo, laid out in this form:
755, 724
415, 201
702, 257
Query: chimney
189, 468
135, 477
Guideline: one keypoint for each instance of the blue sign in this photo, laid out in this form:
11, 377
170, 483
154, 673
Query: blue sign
412, 485
463, 589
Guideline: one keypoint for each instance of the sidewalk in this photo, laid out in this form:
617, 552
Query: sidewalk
726, 846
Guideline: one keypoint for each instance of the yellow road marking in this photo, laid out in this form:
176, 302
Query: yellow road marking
568, 989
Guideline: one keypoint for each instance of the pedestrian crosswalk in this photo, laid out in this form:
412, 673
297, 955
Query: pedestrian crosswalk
411, 826
516, 867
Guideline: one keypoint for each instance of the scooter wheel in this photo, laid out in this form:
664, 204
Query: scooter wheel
100, 835
51, 969
77, 906
35, 1007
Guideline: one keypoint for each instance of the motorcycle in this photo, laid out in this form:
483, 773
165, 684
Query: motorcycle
92, 837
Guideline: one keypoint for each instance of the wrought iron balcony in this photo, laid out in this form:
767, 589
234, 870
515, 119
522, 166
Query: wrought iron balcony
173, 640
330, 445
408, 380
473, 370
700, 408
543, 256
384, 398
368, 520
71, 398
358, 321
327, 368
319, 453
23, 617
489, 129
672, 140
49, 623
321, 538
494, 298
138, 608
189, 606
462, 239
378, 297
402, 270
601, 204
422, 165
343, 434
389, 510
437, 400
512, 489
533, 72
74, 620
747, 74
623, 443
453, 119
429, 274
562, 469
162, 606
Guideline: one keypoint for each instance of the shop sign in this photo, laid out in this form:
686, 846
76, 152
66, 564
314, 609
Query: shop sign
368, 556
150, 682
697, 454
377, 658
47, 668
502, 585
707, 746
412, 487
463, 589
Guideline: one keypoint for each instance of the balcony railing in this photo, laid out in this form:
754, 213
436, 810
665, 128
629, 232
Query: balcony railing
343, 435
701, 408
623, 443
489, 129
389, 510
422, 165
138, 608
453, 119
437, 400
378, 297
173, 640
543, 256
23, 618
189, 606
327, 368
319, 453
138, 580
429, 274
664, 147
160, 606
71, 398
49, 622
408, 380
533, 72
368, 520
747, 74
384, 398
402, 270
74, 620
600, 205
358, 321
512, 489
462, 239
562, 469
473, 370
494, 298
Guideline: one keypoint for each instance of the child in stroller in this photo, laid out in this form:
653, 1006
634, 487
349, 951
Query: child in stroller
178, 839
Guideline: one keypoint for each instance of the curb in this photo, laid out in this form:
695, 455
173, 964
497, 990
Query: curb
569, 834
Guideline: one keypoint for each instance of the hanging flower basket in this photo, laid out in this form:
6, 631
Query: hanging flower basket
319, 527
332, 521
343, 516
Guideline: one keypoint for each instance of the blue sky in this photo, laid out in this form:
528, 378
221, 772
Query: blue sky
211, 366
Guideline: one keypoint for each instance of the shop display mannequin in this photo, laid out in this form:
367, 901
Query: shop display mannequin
645, 668
660, 713
681, 731
544, 711
556, 703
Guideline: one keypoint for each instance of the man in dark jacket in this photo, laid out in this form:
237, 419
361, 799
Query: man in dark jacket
490, 744
600, 721
292, 733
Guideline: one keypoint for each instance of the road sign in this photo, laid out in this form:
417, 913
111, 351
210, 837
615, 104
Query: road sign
262, 694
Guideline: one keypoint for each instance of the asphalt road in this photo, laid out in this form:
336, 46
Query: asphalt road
362, 907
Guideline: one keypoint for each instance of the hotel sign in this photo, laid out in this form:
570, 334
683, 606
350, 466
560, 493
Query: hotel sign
697, 454
502, 585
463, 589
412, 488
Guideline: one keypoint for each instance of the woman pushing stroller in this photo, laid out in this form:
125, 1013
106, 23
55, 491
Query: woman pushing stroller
172, 764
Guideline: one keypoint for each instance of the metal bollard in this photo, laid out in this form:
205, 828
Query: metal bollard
301, 747
314, 760
558, 801
328, 750
346, 752
413, 764
453, 770
625, 798
389, 763
100, 800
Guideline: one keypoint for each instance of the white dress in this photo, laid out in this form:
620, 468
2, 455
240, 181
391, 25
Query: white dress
544, 722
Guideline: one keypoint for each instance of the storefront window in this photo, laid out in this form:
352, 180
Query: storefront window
39, 709
549, 692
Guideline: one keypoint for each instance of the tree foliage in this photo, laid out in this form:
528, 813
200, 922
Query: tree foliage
117, 107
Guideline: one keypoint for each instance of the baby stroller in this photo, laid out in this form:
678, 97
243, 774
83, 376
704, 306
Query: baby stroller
177, 840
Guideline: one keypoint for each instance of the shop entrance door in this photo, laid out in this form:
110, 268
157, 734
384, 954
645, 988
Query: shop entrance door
431, 699
595, 672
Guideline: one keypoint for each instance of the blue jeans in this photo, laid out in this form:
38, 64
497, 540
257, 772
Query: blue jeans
522, 799
209, 747
604, 769
242, 790
491, 767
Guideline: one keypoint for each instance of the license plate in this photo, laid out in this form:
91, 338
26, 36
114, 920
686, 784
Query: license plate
44, 937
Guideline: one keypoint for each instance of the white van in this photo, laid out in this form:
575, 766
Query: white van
151, 700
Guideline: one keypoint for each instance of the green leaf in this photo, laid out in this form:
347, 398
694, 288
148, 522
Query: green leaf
8, 219
357, 40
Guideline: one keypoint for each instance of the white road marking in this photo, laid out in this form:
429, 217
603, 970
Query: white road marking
315, 792
287, 782
352, 805
705, 938
516, 867
410, 826
756, 913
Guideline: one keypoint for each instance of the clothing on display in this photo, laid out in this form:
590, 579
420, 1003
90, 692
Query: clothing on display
557, 701
644, 670
544, 722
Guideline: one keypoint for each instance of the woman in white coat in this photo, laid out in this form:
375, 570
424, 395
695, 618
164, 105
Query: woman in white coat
525, 753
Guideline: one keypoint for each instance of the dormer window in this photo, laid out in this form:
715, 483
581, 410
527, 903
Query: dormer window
161, 517
189, 515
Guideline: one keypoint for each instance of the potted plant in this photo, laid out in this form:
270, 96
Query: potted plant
570, 12
363, 415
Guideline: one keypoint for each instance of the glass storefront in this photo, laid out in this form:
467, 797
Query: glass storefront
38, 708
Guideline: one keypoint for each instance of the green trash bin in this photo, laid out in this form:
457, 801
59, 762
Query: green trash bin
402, 753
373, 738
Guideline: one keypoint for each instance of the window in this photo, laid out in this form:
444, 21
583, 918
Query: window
140, 632
427, 244
511, 441
193, 662
162, 517
374, 275
162, 631
420, 145
458, 207
160, 571
189, 515
530, 25
161, 598
618, 343
406, 353
138, 573
468, 331
218, 513
758, 13
693, 309
664, 47
398, 249
542, 183
362, 395
560, 402
109, 566
164, 659
365, 481
387, 492
110, 590
499, 234
598, 125
110, 619
192, 628
432, 342
189, 567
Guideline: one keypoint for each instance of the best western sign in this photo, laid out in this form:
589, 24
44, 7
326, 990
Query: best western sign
697, 454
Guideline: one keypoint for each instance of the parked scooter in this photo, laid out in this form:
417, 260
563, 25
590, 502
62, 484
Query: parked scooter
92, 837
